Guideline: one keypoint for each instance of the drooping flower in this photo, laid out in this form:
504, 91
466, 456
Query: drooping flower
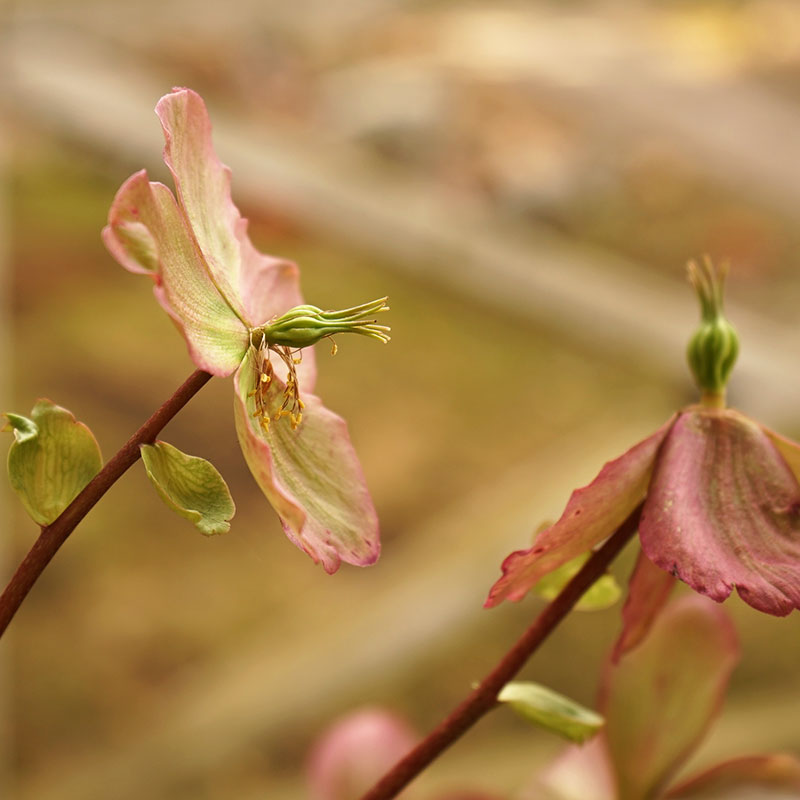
720, 495
241, 312
659, 703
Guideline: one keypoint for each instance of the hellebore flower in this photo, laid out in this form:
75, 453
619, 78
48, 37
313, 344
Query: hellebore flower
720, 494
241, 312
659, 703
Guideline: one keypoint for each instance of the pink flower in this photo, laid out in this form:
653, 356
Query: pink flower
659, 703
719, 493
355, 752
240, 312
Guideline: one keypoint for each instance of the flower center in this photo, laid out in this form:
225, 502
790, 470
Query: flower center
292, 406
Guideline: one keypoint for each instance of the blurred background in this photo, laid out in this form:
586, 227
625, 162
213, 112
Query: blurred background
526, 182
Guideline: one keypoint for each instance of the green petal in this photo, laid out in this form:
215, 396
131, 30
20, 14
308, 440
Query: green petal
52, 458
602, 594
190, 486
552, 711
147, 230
310, 475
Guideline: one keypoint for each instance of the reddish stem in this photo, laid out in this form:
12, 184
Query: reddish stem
484, 697
56, 533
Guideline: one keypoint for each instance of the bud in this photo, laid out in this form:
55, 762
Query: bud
713, 349
305, 325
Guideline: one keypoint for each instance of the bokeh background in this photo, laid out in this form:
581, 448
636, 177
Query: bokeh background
526, 182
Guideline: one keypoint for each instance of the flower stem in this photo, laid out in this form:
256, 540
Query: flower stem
484, 697
56, 533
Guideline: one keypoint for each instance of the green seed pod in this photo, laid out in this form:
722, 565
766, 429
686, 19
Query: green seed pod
713, 349
305, 325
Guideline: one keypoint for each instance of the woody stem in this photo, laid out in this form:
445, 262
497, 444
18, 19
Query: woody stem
55, 534
484, 698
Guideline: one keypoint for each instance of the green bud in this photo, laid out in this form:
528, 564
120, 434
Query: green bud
305, 325
713, 349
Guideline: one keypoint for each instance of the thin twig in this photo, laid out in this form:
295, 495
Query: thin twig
484, 697
56, 533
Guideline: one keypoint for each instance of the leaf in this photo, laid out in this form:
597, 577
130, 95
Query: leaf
550, 710
602, 594
660, 699
52, 457
190, 486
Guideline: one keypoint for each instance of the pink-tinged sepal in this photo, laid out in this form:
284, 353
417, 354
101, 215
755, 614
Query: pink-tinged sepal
148, 234
661, 698
649, 589
306, 466
723, 511
772, 777
592, 514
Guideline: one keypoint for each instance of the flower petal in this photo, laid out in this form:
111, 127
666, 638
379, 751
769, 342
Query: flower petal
724, 510
311, 475
147, 233
258, 287
648, 590
660, 699
355, 752
762, 777
787, 448
592, 514
579, 773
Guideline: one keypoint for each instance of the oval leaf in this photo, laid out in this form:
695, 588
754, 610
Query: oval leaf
550, 710
52, 458
190, 486
603, 593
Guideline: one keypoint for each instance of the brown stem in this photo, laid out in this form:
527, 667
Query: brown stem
484, 697
56, 533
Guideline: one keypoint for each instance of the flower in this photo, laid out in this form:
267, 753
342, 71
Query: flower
720, 495
241, 313
357, 749
659, 702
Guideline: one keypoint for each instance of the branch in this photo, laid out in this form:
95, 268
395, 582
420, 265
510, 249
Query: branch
56, 533
484, 697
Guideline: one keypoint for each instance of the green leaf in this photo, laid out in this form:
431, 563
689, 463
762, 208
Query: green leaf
52, 457
551, 710
190, 486
602, 594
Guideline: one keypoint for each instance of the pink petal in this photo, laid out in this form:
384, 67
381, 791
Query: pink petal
355, 752
147, 233
258, 287
724, 511
311, 476
648, 590
579, 773
787, 448
661, 698
756, 777
592, 514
